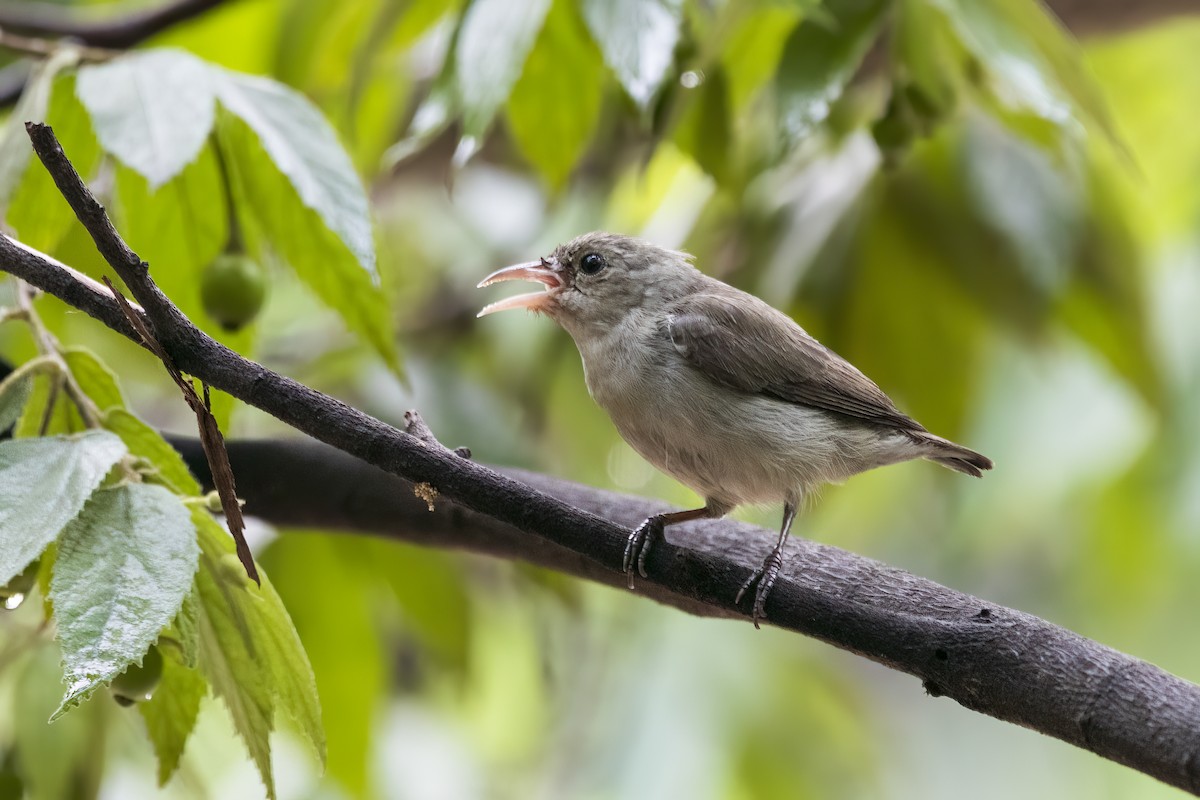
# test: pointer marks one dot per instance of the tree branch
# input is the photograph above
(1090, 17)
(96, 27)
(998, 661)
(989, 658)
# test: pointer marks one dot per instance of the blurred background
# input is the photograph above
(999, 225)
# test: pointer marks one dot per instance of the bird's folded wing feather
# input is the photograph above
(741, 342)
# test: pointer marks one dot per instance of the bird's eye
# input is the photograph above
(591, 263)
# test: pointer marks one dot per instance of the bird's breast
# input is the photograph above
(724, 443)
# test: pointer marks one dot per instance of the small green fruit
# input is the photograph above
(136, 683)
(232, 290)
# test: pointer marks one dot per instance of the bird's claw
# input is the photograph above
(641, 539)
(765, 577)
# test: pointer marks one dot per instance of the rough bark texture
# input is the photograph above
(115, 28)
(989, 658)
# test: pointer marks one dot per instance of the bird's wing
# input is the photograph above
(741, 342)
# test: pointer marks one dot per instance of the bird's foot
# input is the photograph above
(641, 539)
(765, 577)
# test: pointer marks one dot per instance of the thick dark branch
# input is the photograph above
(998, 661)
(1087, 17)
(989, 658)
(98, 27)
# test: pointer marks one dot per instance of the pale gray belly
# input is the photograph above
(733, 446)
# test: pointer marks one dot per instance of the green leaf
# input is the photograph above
(100, 384)
(1037, 64)
(436, 111)
(13, 396)
(820, 58)
(44, 483)
(1021, 194)
(64, 417)
(124, 566)
(152, 110)
(433, 116)
(492, 47)
(553, 108)
(900, 267)
(15, 152)
(638, 39)
(317, 256)
(144, 441)
(303, 147)
(57, 761)
(37, 211)
(181, 639)
(250, 652)
(431, 591)
(335, 618)
(97, 381)
(178, 229)
(754, 48)
(703, 131)
(1106, 306)
(170, 714)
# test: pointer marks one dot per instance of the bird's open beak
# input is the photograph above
(546, 271)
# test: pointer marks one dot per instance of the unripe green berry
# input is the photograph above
(232, 290)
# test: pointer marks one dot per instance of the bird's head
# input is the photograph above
(596, 280)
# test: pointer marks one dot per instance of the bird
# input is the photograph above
(716, 388)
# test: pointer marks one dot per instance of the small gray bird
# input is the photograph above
(716, 388)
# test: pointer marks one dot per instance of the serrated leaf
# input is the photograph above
(303, 147)
(97, 381)
(44, 483)
(100, 384)
(317, 256)
(553, 108)
(637, 38)
(492, 46)
(181, 639)
(152, 110)
(37, 211)
(124, 566)
(819, 59)
(15, 152)
(170, 714)
(250, 652)
(144, 441)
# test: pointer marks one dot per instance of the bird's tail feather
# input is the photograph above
(955, 456)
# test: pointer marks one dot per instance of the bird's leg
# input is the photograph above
(641, 538)
(766, 574)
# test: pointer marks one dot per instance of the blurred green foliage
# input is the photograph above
(998, 226)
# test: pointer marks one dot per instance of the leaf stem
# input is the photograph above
(49, 347)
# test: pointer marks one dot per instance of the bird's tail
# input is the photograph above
(955, 456)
